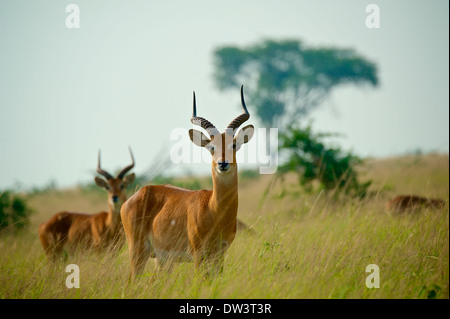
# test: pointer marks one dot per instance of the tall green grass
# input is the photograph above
(304, 246)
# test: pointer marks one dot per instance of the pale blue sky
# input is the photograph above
(126, 78)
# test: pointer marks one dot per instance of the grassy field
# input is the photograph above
(304, 245)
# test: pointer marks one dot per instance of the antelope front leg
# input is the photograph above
(138, 257)
(210, 264)
(215, 263)
(201, 262)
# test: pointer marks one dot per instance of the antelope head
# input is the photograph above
(116, 186)
(222, 146)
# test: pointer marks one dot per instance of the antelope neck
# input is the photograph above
(113, 215)
(225, 192)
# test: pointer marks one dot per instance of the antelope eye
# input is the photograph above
(121, 186)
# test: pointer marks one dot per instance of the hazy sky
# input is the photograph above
(126, 76)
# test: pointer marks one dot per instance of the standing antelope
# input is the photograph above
(175, 224)
(98, 231)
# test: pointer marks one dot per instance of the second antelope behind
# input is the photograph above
(84, 231)
(175, 224)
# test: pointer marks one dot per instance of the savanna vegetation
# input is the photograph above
(316, 224)
(305, 244)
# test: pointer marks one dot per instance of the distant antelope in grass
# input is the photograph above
(85, 231)
(410, 202)
(175, 224)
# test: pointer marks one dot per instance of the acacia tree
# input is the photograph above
(286, 80)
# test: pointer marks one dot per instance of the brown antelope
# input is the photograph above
(98, 231)
(174, 224)
(410, 202)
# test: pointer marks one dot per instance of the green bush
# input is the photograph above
(311, 159)
(14, 211)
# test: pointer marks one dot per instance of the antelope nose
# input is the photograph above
(115, 199)
(223, 165)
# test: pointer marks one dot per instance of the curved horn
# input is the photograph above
(126, 169)
(234, 125)
(204, 123)
(101, 171)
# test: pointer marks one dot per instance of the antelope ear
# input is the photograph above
(244, 136)
(129, 179)
(198, 138)
(101, 182)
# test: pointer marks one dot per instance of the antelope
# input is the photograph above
(173, 224)
(410, 202)
(86, 231)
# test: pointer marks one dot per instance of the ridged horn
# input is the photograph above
(101, 171)
(204, 123)
(127, 168)
(234, 125)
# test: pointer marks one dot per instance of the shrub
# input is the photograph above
(311, 159)
(14, 211)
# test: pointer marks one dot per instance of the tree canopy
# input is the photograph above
(287, 79)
